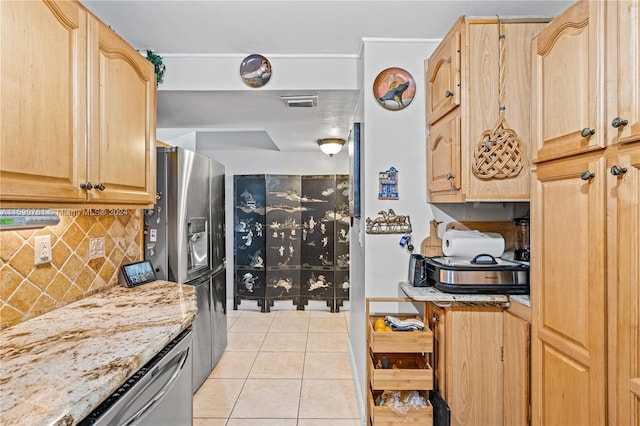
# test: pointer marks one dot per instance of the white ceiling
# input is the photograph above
(249, 119)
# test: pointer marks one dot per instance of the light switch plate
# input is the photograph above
(42, 249)
(96, 248)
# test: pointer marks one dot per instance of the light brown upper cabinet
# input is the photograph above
(122, 127)
(443, 83)
(624, 114)
(78, 110)
(585, 217)
(568, 78)
(463, 96)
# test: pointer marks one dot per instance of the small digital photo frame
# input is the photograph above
(135, 274)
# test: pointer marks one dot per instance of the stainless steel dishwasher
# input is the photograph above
(157, 394)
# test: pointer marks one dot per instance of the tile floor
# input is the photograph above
(281, 368)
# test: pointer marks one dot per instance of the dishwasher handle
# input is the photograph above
(166, 388)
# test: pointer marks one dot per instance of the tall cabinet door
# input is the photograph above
(568, 241)
(626, 117)
(123, 105)
(627, 188)
(567, 80)
(43, 101)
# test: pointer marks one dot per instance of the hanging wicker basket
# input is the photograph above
(498, 154)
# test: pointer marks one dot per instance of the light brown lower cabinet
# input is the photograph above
(517, 365)
(481, 362)
(468, 365)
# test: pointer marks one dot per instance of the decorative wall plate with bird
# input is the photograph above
(394, 88)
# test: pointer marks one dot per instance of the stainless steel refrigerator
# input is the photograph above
(184, 240)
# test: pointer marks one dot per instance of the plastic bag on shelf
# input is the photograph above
(401, 401)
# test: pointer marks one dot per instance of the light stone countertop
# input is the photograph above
(432, 294)
(57, 367)
(523, 299)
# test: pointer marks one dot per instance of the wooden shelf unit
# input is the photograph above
(408, 352)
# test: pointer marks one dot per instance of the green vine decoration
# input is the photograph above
(156, 60)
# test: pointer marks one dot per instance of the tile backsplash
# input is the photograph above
(27, 290)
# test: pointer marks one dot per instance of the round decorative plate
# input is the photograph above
(255, 70)
(394, 88)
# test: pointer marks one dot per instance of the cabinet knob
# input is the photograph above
(86, 185)
(587, 175)
(100, 186)
(586, 132)
(448, 94)
(617, 170)
(448, 176)
(619, 122)
(435, 319)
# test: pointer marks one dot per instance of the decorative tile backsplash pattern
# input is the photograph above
(27, 290)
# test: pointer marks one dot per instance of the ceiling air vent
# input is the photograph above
(302, 101)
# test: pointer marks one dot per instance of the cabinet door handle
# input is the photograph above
(435, 319)
(100, 186)
(448, 94)
(86, 185)
(587, 175)
(586, 132)
(617, 170)
(448, 176)
(619, 122)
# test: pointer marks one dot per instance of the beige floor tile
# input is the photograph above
(329, 422)
(285, 342)
(257, 313)
(292, 324)
(328, 399)
(294, 314)
(210, 422)
(232, 313)
(324, 314)
(262, 422)
(278, 365)
(231, 321)
(234, 365)
(252, 324)
(216, 398)
(327, 342)
(332, 323)
(326, 365)
(246, 341)
(266, 398)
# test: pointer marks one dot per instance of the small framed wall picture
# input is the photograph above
(388, 184)
(255, 70)
(394, 89)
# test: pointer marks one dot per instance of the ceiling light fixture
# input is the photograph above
(331, 146)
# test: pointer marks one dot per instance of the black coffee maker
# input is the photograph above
(522, 251)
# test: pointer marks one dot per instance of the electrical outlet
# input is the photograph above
(96, 248)
(42, 249)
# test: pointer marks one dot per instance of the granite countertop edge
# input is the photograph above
(57, 367)
(432, 294)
